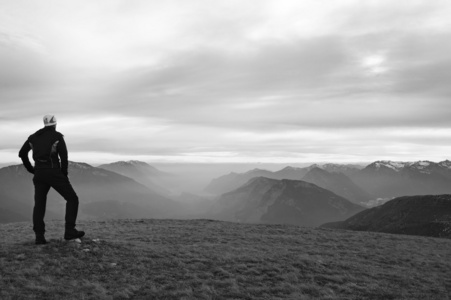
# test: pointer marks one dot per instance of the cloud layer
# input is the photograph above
(229, 81)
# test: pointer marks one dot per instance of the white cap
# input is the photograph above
(49, 120)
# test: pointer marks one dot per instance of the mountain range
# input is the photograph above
(267, 200)
(428, 215)
(229, 182)
(388, 179)
(17, 194)
(143, 173)
(102, 194)
(338, 183)
(380, 180)
(308, 196)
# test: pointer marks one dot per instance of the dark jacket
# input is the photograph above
(47, 144)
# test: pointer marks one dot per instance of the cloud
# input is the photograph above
(423, 65)
(209, 82)
(237, 78)
(22, 65)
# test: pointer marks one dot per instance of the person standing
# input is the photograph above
(48, 149)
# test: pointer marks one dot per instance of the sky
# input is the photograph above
(216, 81)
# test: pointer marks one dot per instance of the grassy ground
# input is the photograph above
(201, 259)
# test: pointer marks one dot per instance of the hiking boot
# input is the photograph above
(40, 239)
(72, 234)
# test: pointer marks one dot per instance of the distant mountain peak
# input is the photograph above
(256, 170)
(290, 168)
(137, 162)
(394, 165)
(132, 164)
(129, 162)
(79, 165)
(330, 164)
(260, 179)
(285, 201)
(298, 183)
(420, 165)
(445, 164)
(317, 169)
(337, 168)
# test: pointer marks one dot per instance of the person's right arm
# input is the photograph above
(23, 154)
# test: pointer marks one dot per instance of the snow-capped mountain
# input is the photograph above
(393, 165)
(388, 179)
(445, 164)
(424, 166)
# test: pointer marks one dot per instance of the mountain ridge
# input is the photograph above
(231, 181)
(100, 191)
(338, 183)
(141, 172)
(389, 179)
(267, 200)
(428, 215)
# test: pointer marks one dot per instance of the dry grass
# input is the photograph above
(202, 259)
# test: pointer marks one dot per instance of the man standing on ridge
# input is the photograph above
(47, 144)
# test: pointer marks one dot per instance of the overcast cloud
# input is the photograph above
(229, 81)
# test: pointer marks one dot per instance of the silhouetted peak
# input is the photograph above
(256, 170)
(290, 168)
(261, 180)
(137, 162)
(297, 183)
(128, 163)
(314, 166)
(79, 165)
(317, 170)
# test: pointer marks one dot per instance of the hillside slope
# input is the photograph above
(229, 182)
(140, 172)
(102, 193)
(338, 183)
(202, 259)
(266, 200)
(416, 215)
(232, 181)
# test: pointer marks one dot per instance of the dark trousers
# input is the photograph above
(43, 180)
